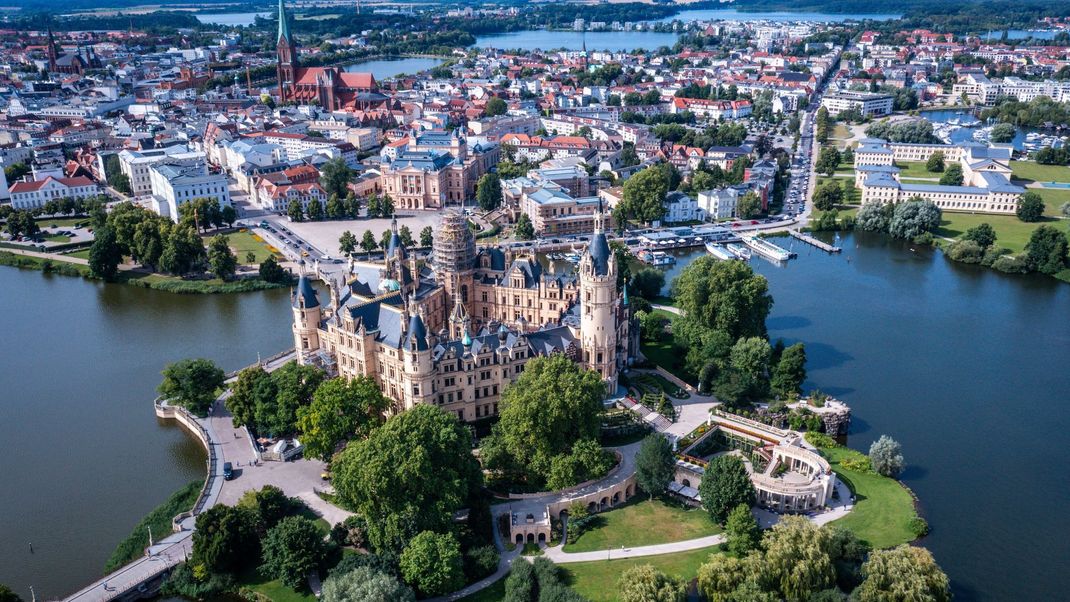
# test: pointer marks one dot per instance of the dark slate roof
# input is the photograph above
(417, 338)
(305, 294)
(599, 250)
(531, 270)
(497, 258)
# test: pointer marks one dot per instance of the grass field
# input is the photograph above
(81, 253)
(159, 520)
(60, 222)
(1053, 200)
(1011, 232)
(273, 589)
(597, 581)
(1029, 170)
(244, 241)
(915, 170)
(631, 525)
(665, 354)
(56, 237)
(883, 507)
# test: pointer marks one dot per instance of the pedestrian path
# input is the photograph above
(560, 556)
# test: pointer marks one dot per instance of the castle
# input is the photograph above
(456, 333)
(332, 88)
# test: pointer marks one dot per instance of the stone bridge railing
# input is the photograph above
(194, 426)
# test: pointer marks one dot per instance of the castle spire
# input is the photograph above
(284, 25)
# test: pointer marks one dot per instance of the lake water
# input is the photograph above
(387, 68)
(736, 15)
(85, 457)
(966, 368)
(231, 19)
(965, 134)
(613, 41)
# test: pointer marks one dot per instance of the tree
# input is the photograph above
(294, 211)
(375, 206)
(7, 595)
(335, 176)
(368, 242)
(226, 539)
(148, 242)
(365, 584)
(886, 456)
(336, 207)
(749, 205)
(874, 216)
(191, 383)
(269, 503)
(725, 485)
(405, 234)
(183, 251)
(411, 474)
(741, 531)
(352, 206)
(271, 271)
(315, 210)
(828, 195)
(628, 156)
(982, 234)
(720, 295)
(935, 163)
(796, 560)
(848, 155)
(648, 282)
(790, 371)
(120, 182)
(432, 564)
(749, 363)
(952, 175)
(719, 577)
(644, 195)
(228, 214)
(524, 229)
(293, 549)
(655, 464)
(427, 237)
(221, 259)
(104, 255)
(902, 574)
(242, 401)
(340, 409)
(828, 161)
(1046, 250)
(521, 584)
(384, 240)
(1002, 133)
(553, 405)
(294, 385)
(347, 243)
(651, 325)
(913, 217)
(489, 192)
(821, 129)
(495, 106)
(1030, 207)
(644, 583)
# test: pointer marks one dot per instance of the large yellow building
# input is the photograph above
(455, 334)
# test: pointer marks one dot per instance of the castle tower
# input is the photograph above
(455, 259)
(598, 298)
(307, 313)
(417, 350)
(286, 53)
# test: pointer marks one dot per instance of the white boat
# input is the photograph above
(766, 249)
(280, 447)
(719, 252)
(655, 258)
(739, 251)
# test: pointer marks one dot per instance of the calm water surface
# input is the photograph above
(966, 368)
(387, 68)
(85, 457)
(729, 14)
(231, 19)
(612, 41)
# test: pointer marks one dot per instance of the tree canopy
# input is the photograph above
(365, 584)
(655, 464)
(432, 564)
(191, 383)
(886, 456)
(292, 549)
(903, 574)
(340, 408)
(725, 485)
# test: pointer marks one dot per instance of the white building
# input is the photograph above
(681, 208)
(175, 185)
(719, 203)
(31, 195)
(136, 165)
(869, 104)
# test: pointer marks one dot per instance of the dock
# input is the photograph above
(810, 240)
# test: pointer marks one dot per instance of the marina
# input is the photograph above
(767, 249)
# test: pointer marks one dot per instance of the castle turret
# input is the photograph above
(598, 297)
(307, 314)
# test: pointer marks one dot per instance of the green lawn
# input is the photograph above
(81, 253)
(644, 522)
(597, 581)
(1053, 200)
(853, 196)
(244, 241)
(494, 593)
(1011, 232)
(61, 238)
(883, 507)
(61, 222)
(839, 132)
(916, 169)
(273, 589)
(665, 354)
(1030, 170)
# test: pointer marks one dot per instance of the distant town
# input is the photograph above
(526, 249)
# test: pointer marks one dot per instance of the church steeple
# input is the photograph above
(51, 51)
(286, 53)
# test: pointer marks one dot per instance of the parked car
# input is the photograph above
(228, 471)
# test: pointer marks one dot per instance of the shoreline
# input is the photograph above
(158, 282)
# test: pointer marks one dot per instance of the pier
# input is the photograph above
(810, 240)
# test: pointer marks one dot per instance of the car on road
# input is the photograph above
(228, 471)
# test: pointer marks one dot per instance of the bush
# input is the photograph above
(1011, 264)
(820, 439)
(480, 562)
(350, 532)
(965, 251)
(184, 583)
(857, 463)
(919, 526)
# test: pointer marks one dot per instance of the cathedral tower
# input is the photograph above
(598, 299)
(286, 53)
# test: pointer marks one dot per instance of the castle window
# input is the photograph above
(415, 389)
